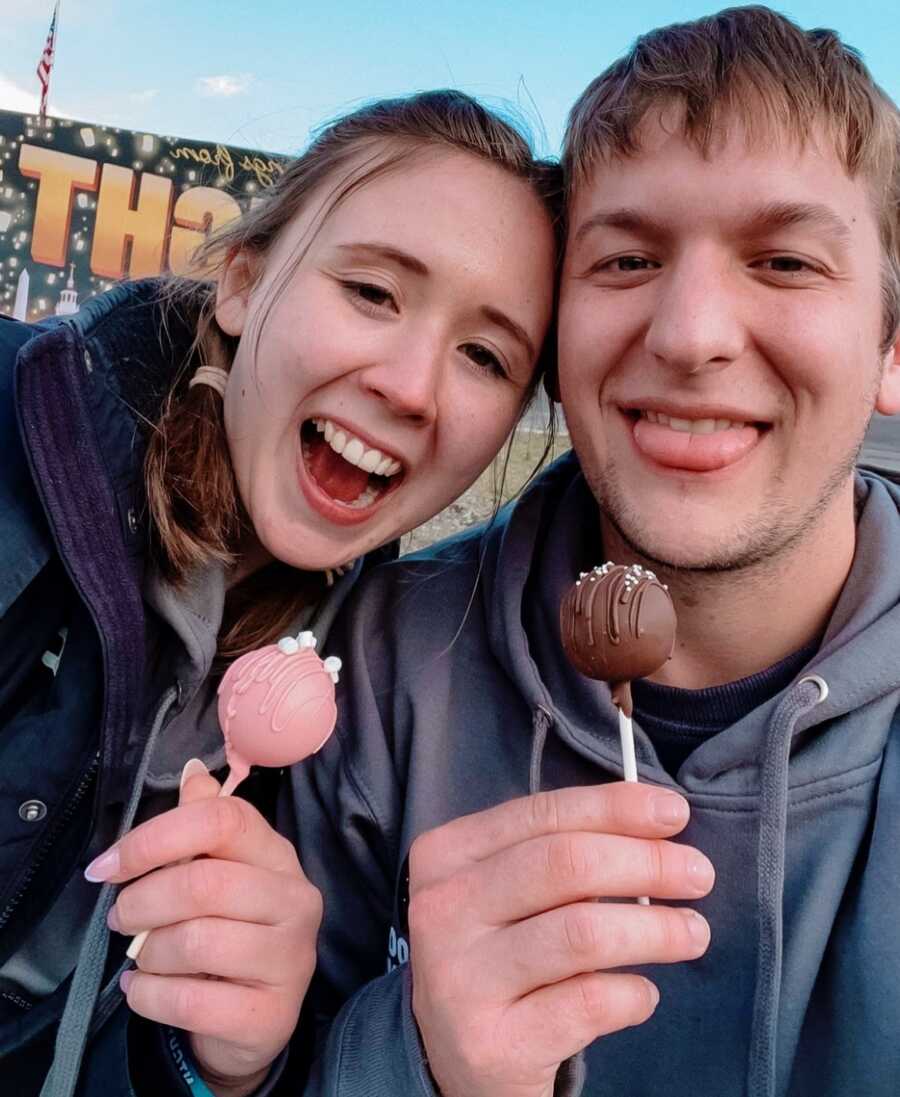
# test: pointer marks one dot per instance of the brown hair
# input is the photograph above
(196, 511)
(753, 66)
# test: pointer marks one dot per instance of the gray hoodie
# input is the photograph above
(456, 696)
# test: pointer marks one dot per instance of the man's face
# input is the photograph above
(720, 325)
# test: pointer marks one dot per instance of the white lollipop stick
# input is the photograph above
(234, 779)
(629, 765)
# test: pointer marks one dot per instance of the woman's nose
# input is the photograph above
(408, 383)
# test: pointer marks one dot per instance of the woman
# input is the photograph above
(192, 464)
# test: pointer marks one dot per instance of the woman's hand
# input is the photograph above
(233, 941)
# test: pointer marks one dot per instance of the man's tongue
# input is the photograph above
(337, 477)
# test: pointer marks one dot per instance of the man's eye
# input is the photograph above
(629, 263)
(787, 264)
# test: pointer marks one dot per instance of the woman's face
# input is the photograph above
(382, 380)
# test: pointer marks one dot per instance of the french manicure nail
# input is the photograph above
(669, 809)
(103, 867)
(125, 980)
(112, 920)
(191, 769)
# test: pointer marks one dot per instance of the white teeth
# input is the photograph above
(691, 426)
(355, 451)
(369, 461)
(368, 497)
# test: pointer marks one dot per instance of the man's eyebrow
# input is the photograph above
(772, 216)
(785, 215)
(624, 218)
(387, 251)
(495, 316)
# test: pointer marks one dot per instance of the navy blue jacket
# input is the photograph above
(75, 396)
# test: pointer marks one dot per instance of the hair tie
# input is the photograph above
(214, 376)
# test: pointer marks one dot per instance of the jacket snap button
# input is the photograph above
(133, 521)
(32, 811)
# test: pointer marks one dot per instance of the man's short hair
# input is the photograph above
(753, 66)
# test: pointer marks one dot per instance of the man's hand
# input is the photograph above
(513, 959)
(233, 941)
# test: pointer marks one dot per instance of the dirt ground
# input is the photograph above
(478, 502)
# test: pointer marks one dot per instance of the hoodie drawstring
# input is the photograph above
(761, 1071)
(540, 726)
(76, 1019)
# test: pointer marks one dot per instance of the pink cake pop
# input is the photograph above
(276, 706)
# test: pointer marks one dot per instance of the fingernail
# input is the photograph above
(191, 769)
(103, 867)
(125, 980)
(700, 872)
(698, 928)
(652, 994)
(669, 809)
(112, 920)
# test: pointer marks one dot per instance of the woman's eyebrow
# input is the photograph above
(501, 320)
(388, 251)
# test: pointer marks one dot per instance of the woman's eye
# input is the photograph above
(371, 296)
(483, 358)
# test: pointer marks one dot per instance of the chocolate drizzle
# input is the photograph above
(617, 624)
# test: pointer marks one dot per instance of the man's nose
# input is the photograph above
(697, 324)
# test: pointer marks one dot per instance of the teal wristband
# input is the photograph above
(184, 1064)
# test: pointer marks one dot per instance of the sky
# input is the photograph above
(264, 73)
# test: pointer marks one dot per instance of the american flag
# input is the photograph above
(45, 65)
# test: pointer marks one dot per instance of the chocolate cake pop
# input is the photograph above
(617, 624)
(276, 707)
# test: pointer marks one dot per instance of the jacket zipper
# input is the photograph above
(50, 837)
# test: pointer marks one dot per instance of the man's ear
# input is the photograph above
(888, 401)
(233, 292)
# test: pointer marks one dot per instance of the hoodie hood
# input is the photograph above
(545, 540)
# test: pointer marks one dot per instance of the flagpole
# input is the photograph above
(52, 39)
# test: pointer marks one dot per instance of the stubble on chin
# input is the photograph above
(754, 541)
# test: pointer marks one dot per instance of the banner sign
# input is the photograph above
(83, 205)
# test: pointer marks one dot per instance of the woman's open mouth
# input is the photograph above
(350, 472)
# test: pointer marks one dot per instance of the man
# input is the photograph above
(728, 325)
